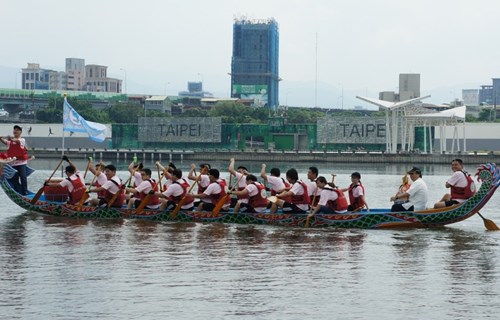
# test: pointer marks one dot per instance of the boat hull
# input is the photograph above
(377, 218)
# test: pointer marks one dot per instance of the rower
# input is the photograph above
(141, 191)
(331, 200)
(461, 186)
(417, 194)
(312, 175)
(175, 192)
(257, 196)
(299, 195)
(239, 175)
(204, 180)
(74, 183)
(100, 178)
(356, 193)
(109, 189)
(213, 193)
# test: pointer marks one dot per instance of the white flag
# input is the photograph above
(74, 122)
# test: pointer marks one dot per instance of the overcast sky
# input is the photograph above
(362, 46)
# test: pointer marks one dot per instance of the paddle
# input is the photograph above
(159, 177)
(87, 170)
(489, 224)
(183, 200)
(311, 211)
(144, 202)
(40, 192)
(222, 201)
(115, 196)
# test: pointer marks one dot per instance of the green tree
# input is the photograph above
(194, 112)
(49, 115)
(125, 113)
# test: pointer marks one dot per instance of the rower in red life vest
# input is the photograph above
(332, 200)
(299, 195)
(109, 189)
(461, 186)
(167, 174)
(175, 192)
(213, 193)
(135, 172)
(257, 196)
(356, 193)
(147, 186)
(276, 182)
(16, 149)
(74, 183)
(100, 178)
(204, 180)
(312, 175)
(239, 174)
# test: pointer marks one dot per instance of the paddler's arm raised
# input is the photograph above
(263, 174)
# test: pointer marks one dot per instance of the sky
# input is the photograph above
(330, 50)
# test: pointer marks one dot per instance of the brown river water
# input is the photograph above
(64, 268)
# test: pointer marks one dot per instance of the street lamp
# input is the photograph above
(342, 96)
(125, 71)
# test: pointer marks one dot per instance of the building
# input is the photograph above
(75, 73)
(96, 80)
(195, 90)
(36, 78)
(409, 86)
(470, 97)
(158, 103)
(486, 94)
(255, 62)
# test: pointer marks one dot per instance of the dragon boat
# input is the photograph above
(488, 175)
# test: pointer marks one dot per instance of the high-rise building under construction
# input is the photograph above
(255, 60)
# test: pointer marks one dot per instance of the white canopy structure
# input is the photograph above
(397, 110)
(403, 117)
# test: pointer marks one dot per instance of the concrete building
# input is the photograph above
(470, 97)
(195, 90)
(96, 80)
(75, 72)
(409, 86)
(255, 62)
(158, 103)
(34, 77)
(486, 94)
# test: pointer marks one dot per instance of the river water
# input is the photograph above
(63, 268)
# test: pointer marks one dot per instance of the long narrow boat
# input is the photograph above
(488, 175)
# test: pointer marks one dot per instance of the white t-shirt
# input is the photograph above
(276, 183)
(14, 163)
(311, 187)
(326, 195)
(242, 182)
(137, 178)
(298, 190)
(418, 195)
(111, 186)
(144, 187)
(102, 179)
(176, 190)
(213, 188)
(358, 191)
(67, 184)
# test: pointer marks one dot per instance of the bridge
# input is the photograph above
(15, 101)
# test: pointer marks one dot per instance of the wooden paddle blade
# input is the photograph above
(82, 201)
(143, 204)
(219, 205)
(178, 207)
(37, 196)
(307, 222)
(489, 224)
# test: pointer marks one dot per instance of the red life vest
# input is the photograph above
(200, 188)
(466, 192)
(100, 194)
(215, 197)
(356, 202)
(260, 199)
(153, 199)
(15, 150)
(119, 199)
(79, 190)
(301, 198)
(340, 204)
(185, 186)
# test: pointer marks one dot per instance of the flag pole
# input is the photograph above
(63, 135)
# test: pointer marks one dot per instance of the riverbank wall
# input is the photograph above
(264, 156)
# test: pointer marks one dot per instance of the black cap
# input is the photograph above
(415, 170)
